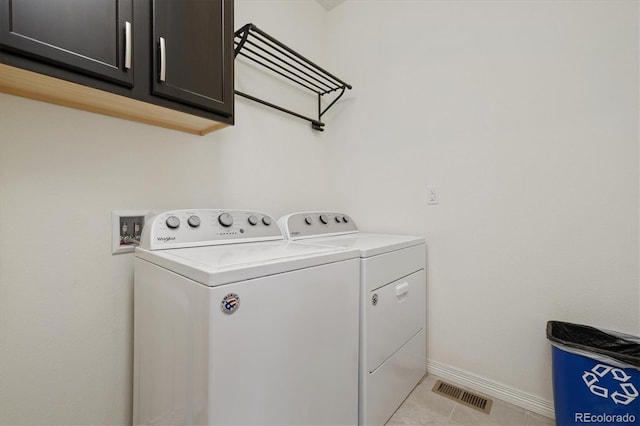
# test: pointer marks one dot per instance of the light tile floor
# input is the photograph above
(424, 407)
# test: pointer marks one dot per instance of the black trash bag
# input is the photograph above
(623, 348)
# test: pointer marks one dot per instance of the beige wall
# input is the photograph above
(525, 115)
(65, 300)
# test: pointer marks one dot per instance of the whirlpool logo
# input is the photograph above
(166, 239)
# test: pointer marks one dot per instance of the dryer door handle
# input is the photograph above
(402, 289)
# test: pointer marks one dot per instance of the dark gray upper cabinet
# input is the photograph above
(191, 59)
(114, 46)
(89, 36)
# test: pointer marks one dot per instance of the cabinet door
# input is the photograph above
(193, 54)
(90, 36)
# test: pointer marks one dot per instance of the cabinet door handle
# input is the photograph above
(127, 44)
(163, 60)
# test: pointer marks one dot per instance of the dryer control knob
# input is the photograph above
(193, 221)
(266, 220)
(173, 222)
(337, 218)
(308, 220)
(345, 219)
(324, 219)
(225, 219)
(253, 220)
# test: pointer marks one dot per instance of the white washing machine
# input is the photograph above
(234, 325)
(392, 307)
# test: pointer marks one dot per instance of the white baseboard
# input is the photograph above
(491, 388)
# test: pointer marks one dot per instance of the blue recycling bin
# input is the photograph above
(596, 375)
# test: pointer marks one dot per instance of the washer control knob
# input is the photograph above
(337, 218)
(308, 220)
(225, 219)
(253, 220)
(266, 220)
(345, 219)
(173, 222)
(193, 221)
(324, 219)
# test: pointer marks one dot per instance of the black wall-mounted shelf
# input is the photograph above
(259, 47)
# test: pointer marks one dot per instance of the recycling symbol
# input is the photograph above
(629, 391)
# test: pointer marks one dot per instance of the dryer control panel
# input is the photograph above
(316, 224)
(204, 227)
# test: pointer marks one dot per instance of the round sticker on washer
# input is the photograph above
(230, 303)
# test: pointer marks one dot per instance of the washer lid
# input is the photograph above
(223, 264)
(370, 244)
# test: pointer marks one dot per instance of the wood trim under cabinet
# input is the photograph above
(19, 82)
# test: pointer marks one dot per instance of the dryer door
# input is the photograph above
(395, 313)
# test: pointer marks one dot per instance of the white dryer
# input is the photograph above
(233, 324)
(392, 307)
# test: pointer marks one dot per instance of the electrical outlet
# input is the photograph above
(126, 229)
(433, 195)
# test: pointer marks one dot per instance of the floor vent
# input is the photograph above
(462, 396)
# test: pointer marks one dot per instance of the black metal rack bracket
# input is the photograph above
(259, 47)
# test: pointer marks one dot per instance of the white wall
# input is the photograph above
(65, 301)
(525, 115)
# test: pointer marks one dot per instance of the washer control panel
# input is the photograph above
(316, 224)
(203, 227)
